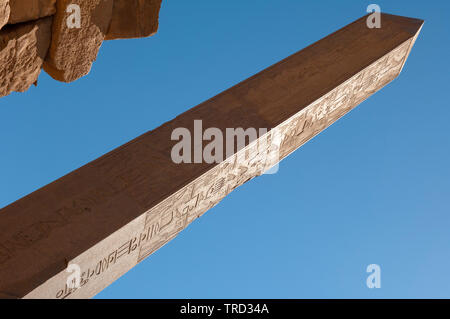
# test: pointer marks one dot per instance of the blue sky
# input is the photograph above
(373, 188)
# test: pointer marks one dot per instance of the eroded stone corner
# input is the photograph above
(5, 11)
(134, 19)
(23, 48)
(74, 49)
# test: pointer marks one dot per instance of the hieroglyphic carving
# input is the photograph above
(175, 213)
(328, 109)
(168, 218)
(126, 249)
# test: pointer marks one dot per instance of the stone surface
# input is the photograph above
(23, 48)
(134, 19)
(72, 51)
(4, 12)
(28, 10)
(117, 210)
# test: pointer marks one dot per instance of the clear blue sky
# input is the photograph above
(373, 188)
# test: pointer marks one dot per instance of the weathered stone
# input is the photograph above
(73, 50)
(134, 19)
(4, 12)
(28, 10)
(23, 48)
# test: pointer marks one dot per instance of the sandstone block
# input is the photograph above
(23, 48)
(134, 19)
(74, 49)
(28, 10)
(4, 12)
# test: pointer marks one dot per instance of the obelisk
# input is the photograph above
(112, 213)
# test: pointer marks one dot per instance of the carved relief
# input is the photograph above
(176, 212)
(168, 218)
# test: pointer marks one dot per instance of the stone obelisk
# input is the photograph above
(112, 213)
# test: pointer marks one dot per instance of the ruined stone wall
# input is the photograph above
(64, 36)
